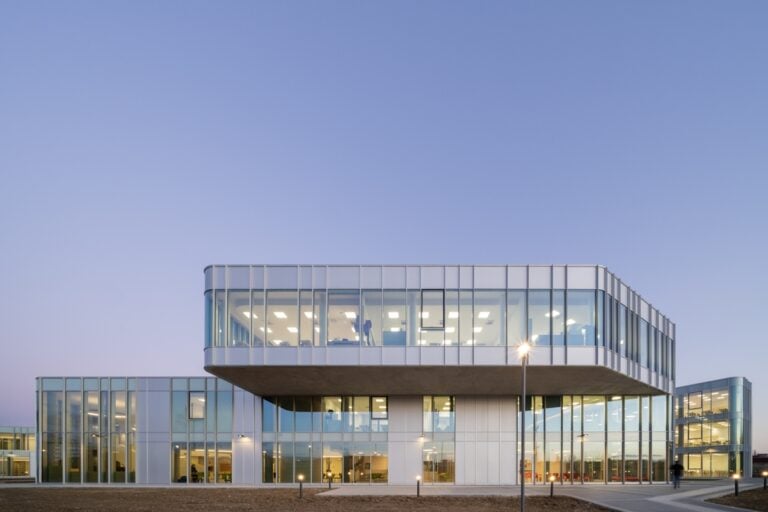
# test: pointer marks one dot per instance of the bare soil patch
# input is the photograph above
(263, 500)
(755, 499)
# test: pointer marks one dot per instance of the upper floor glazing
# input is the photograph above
(427, 306)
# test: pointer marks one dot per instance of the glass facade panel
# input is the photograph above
(489, 318)
(432, 309)
(220, 310)
(622, 324)
(517, 318)
(306, 319)
(343, 318)
(581, 318)
(451, 317)
(282, 318)
(239, 313)
(558, 321)
(208, 298)
(539, 313)
(258, 316)
(394, 319)
(372, 317)
(466, 313)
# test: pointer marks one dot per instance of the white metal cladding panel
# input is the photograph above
(485, 429)
(393, 278)
(257, 276)
(601, 278)
(465, 277)
(493, 278)
(393, 356)
(451, 277)
(154, 411)
(239, 277)
(281, 356)
(581, 356)
(282, 278)
(432, 277)
(432, 356)
(208, 278)
(413, 278)
(319, 277)
(582, 277)
(558, 356)
(246, 451)
(370, 278)
(219, 277)
(344, 277)
(370, 356)
(405, 428)
(238, 356)
(539, 356)
(305, 278)
(517, 277)
(558, 277)
(492, 356)
(540, 277)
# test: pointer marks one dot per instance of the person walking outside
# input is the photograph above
(677, 473)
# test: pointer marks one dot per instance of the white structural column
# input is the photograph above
(153, 427)
(246, 439)
(486, 440)
(405, 429)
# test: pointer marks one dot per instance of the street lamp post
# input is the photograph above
(551, 486)
(418, 486)
(522, 352)
(765, 480)
(301, 486)
(736, 477)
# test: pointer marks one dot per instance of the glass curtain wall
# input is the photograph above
(290, 423)
(594, 438)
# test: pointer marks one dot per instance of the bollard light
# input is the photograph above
(552, 485)
(301, 486)
(418, 486)
(765, 480)
(736, 477)
(330, 478)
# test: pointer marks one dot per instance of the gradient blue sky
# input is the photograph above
(140, 141)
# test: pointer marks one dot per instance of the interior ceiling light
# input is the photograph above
(450, 329)
(293, 330)
(308, 314)
(393, 314)
(484, 314)
(350, 314)
(570, 321)
(453, 314)
(247, 314)
(477, 329)
(424, 314)
(553, 314)
(281, 315)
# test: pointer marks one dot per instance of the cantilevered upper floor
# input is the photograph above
(433, 329)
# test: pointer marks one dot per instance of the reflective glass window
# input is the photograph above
(552, 413)
(720, 401)
(239, 313)
(320, 323)
(282, 318)
(623, 330)
(659, 413)
(643, 343)
(517, 318)
(332, 413)
(372, 317)
(220, 310)
(489, 318)
(558, 321)
(539, 313)
(196, 405)
(306, 319)
(600, 325)
(451, 317)
(268, 414)
(631, 414)
(343, 318)
(413, 304)
(394, 319)
(467, 335)
(224, 411)
(258, 316)
(615, 414)
(285, 414)
(594, 413)
(303, 417)
(432, 309)
(581, 318)
(208, 318)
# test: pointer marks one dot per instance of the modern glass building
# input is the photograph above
(377, 374)
(714, 428)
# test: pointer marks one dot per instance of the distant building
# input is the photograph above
(759, 464)
(17, 453)
(713, 421)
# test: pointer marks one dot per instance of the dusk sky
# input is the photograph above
(141, 141)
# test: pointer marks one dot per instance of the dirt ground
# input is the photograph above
(756, 499)
(261, 500)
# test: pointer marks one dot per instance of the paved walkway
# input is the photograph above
(624, 498)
